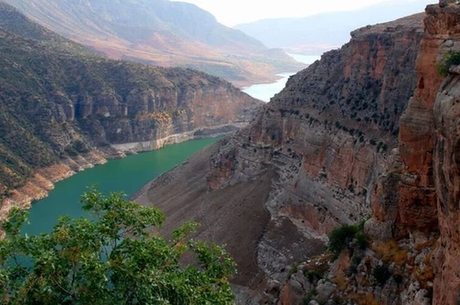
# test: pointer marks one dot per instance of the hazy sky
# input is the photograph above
(232, 12)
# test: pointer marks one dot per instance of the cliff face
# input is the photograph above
(322, 143)
(416, 190)
(63, 108)
(414, 228)
(446, 165)
(424, 209)
(446, 176)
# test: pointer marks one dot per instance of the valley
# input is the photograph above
(65, 108)
(337, 184)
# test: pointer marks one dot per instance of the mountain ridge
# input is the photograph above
(162, 33)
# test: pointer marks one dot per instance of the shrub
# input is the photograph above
(340, 238)
(361, 240)
(313, 275)
(391, 252)
(451, 58)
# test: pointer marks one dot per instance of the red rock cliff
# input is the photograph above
(416, 197)
(427, 174)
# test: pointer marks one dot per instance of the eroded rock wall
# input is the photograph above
(416, 196)
(74, 111)
(322, 142)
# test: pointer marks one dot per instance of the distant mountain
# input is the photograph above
(64, 108)
(318, 33)
(160, 32)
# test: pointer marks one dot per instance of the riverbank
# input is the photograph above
(44, 179)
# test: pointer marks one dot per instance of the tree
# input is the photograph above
(116, 256)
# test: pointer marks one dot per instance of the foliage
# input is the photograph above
(117, 257)
(361, 240)
(381, 274)
(340, 238)
(308, 298)
(450, 58)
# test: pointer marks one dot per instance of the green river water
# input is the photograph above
(127, 175)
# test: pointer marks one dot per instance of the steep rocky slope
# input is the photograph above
(412, 256)
(161, 32)
(63, 108)
(314, 152)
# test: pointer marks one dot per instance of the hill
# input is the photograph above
(160, 32)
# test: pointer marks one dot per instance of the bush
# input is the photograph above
(450, 59)
(361, 240)
(313, 275)
(340, 238)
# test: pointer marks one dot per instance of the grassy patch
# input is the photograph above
(391, 252)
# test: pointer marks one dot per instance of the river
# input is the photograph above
(265, 92)
(125, 175)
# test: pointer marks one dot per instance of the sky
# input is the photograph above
(233, 12)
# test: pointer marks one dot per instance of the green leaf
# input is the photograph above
(111, 259)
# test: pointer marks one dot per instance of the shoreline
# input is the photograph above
(43, 180)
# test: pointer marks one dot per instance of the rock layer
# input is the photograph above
(446, 172)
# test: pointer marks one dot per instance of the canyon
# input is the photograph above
(368, 134)
(365, 139)
(64, 108)
(308, 162)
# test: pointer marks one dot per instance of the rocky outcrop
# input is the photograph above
(322, 143)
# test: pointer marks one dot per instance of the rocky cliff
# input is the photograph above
(307, 163)
(64, 108)
(412, 256)
(423, 208)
